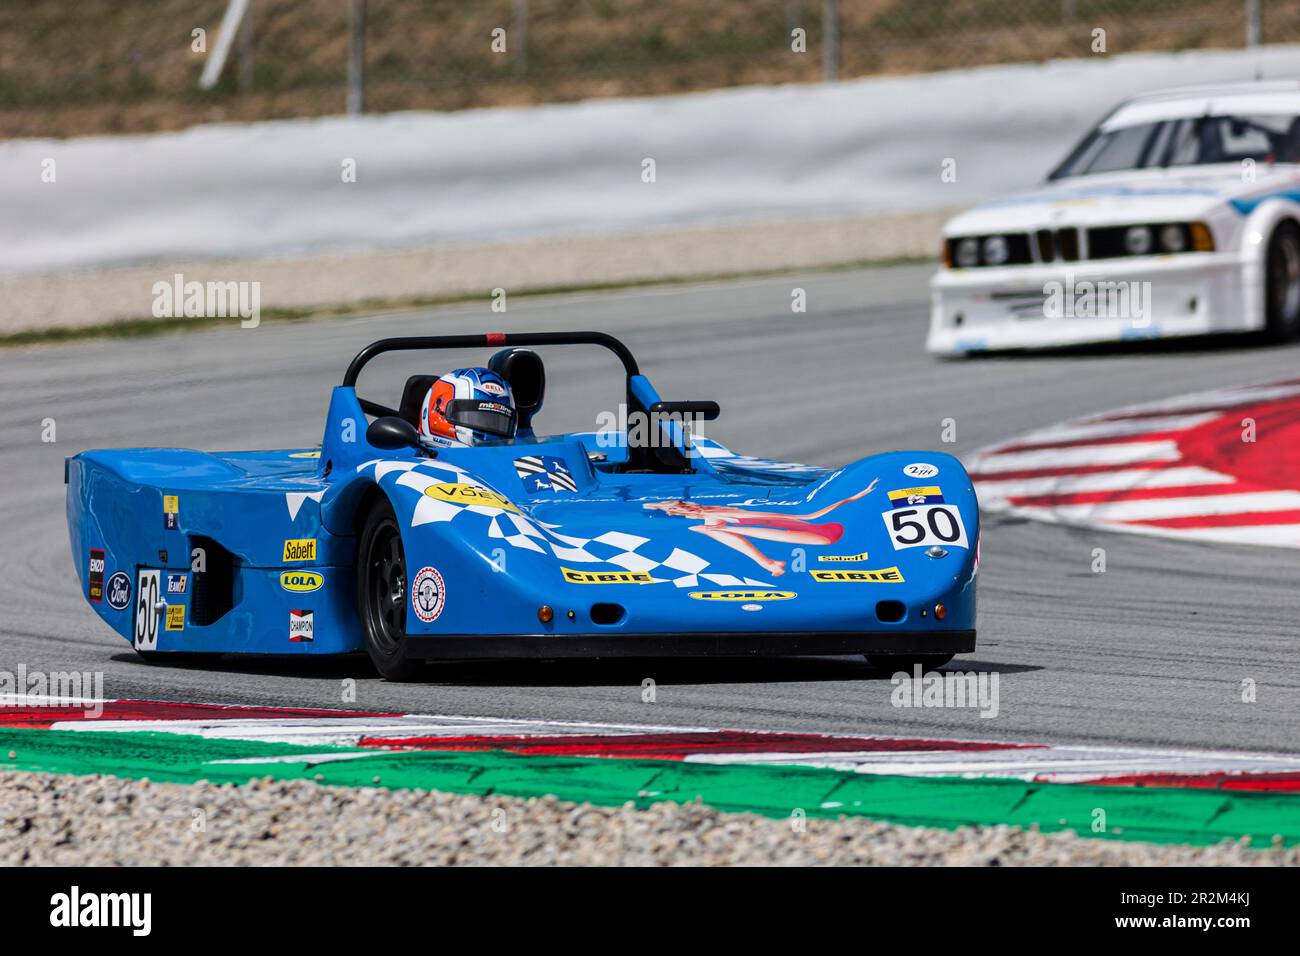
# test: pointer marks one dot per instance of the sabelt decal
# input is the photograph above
(95, 576)
(176, 617)
(119, 591)
(921, 495)
(469, 495)
(606, 577)
(865, 576)
(171, 508)
(302, 627)
(301, 581)
(300, 549)
(742, 595)
(843, 558)
(428, 594)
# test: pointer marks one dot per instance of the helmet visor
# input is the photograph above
(494, 418)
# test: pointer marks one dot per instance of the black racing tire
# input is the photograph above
(1282, 284)
(893, 663)
(382, 594)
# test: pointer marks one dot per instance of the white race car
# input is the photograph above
(1177, 215)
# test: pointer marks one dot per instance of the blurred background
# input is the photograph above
(108, 66)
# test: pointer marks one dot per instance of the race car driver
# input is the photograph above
(467, 407)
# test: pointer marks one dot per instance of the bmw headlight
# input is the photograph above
(1173, 238)
(1137, 240)
(995, 250)
(968, 253)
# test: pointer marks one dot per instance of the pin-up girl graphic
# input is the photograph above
(735, 526)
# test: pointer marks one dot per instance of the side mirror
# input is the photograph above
(391, 433)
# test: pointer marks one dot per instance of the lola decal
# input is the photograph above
(606, 577)
(95, 577)
(469, 495)
(302, 627)
(300, 549)
(301, 581)
(866, 576)
(428, 594)
(119, 591)
(742, 595)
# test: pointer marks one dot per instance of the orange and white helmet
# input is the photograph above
(467, 407)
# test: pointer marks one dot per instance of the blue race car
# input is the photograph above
(446, 529)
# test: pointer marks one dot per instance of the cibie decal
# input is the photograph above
(301, 581)
(469, 495)
(544, 473)
(176, 617)
(923, 525)
(920, 495)
(843, 558)
(428, 594)
(300, 549)
(119, 591)
(171, 508)
(95, 576)
(921, 469)
(742, 595)
(606, 577)
(865, 576)
(302, 627)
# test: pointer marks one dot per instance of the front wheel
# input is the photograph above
(893, 663)
(382, 595)
(1282, 286)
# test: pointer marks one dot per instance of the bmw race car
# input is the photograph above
(643, 540)
(1179, 214)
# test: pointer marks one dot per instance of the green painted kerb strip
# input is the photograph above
(1164, 815)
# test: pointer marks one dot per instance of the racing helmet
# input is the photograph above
(466, 407)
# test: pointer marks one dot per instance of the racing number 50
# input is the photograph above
(146, 610)
(928, 524)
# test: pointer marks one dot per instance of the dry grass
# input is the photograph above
(75, 67)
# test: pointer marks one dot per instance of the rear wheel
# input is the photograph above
(1282, 286)
(382, 595)
(893, 663)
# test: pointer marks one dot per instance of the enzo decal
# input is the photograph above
(469, 495)
(95, 577)
(606, 577)
(925, 525)
(147, 604)
(922, 495)
(119, 591)
(428, 594)
(301, 581)
(300, 549)
(302, 627)
(176, 617)
(171, 508)
(921, 469)
(843, 558)
(742, 595)
(876, 576)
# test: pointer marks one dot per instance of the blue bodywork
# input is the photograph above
(253, 544)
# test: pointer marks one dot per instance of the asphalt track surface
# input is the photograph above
(1153, 651)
